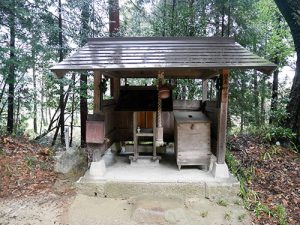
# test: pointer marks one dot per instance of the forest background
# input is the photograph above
(35, 34)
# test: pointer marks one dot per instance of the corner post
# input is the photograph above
(95, 133)
(222, 126)
(220, 169)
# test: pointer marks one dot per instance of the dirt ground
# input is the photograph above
(274, 175)
(42, 209)
(47, 209)
(32, 194)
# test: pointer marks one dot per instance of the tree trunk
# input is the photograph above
(274, 99)
(84, 31)
(173, 18)
(243, 87)
(61, 84)
(290, 10)
(114, 21)
(256, 98)
(192, 18)
(17, 122)
(43, 114)
(164, 18)
(65, 100)
(34, 93)
(223, 19)
(229, 19)
(263, 101)
(72, 109)
(83, 107)
(11, 74)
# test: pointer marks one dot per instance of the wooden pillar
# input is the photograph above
(159, 128)
(222, 120)
(116, 89)
(204, 90)
(97, 92)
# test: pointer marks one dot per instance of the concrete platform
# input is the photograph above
(122, 180)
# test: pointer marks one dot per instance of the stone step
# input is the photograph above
(126, 190)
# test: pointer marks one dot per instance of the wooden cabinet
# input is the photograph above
(192, 138)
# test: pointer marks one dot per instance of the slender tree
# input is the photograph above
(61, 84)
(84, 32)
(12, 71)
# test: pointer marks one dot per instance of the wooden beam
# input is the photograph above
(222, 120)
(97, 91)
(174, 73)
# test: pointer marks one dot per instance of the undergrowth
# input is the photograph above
(250, 198)
(275, 135)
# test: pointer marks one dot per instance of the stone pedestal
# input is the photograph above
(220, 170)
(97, 169)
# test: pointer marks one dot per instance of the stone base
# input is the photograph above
(220, 170)
(97, 169)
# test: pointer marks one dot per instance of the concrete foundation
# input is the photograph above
(220, 170)
(97, 169)
(122, 180)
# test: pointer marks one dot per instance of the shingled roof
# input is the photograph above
(178, 57)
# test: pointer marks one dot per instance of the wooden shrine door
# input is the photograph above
(145, 119)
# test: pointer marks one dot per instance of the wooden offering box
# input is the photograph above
(192, 138)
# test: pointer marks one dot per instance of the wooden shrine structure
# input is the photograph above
(175, 58)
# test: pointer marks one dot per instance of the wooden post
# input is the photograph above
(204, 90)
(97, 92)
(135, 139)
(159, 128)
(222, 120)
(116, 89)
(154, 136)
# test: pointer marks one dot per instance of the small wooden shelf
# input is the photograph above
(144, 132)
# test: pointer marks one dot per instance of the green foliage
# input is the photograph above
(30, 161)
(280, 214)
(250, 198)
(222, 202)
(228, 216)
(273, 134)
(45, 166)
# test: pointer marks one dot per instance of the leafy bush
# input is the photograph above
(273, 134)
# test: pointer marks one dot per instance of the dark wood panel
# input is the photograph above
(193, 105)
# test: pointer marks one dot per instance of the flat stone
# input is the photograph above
(151, 209)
